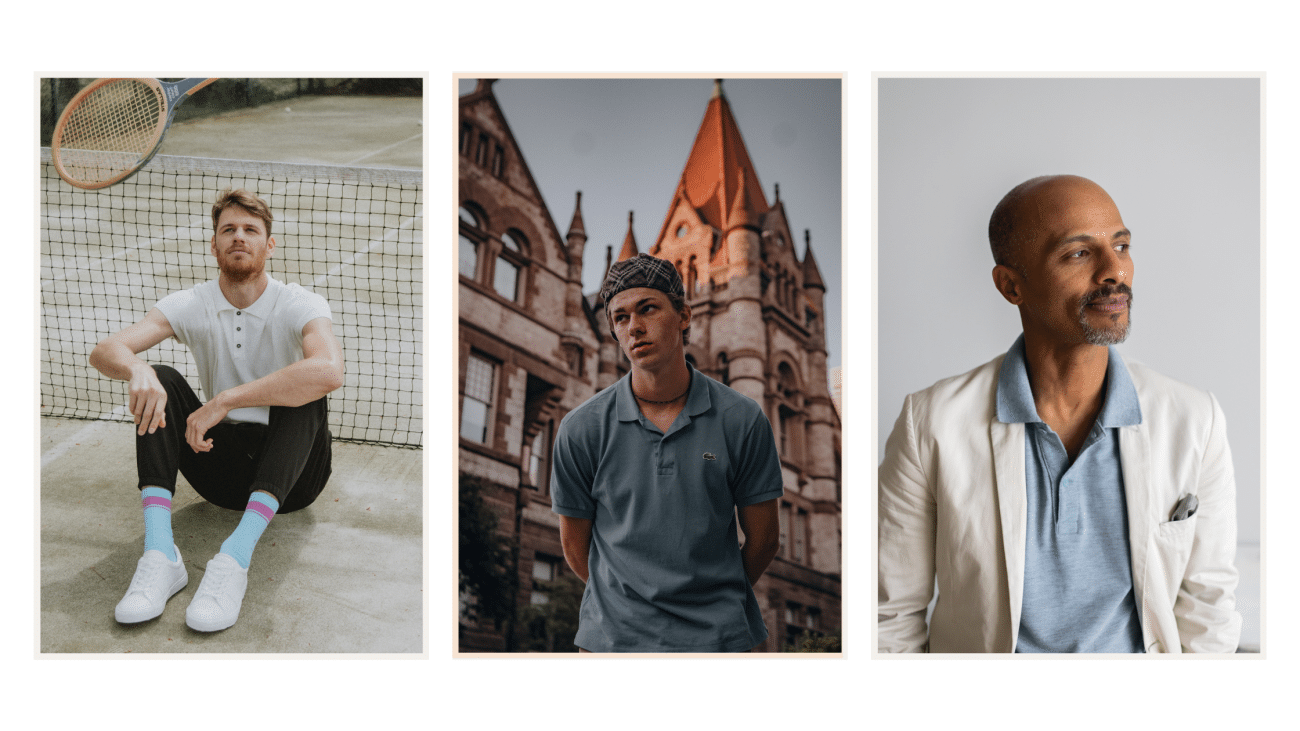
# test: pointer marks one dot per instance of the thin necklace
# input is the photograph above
(669, 401)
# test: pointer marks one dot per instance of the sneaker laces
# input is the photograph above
(143, 577)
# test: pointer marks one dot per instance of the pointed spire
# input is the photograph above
(717, 163)
(609, 261)
(575, 226)
(812, 276)
(741, 214)
(629, 242)
(777, 194)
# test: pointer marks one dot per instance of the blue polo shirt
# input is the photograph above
(665, 573)
(1078, 594)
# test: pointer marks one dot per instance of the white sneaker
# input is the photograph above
(156, 579)
(215, 605)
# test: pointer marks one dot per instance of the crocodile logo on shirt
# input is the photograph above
(709, 456)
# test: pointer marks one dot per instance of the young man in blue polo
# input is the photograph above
(650, 478)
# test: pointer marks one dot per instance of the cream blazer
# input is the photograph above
(952, 508)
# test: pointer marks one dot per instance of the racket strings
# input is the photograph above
(111, 130)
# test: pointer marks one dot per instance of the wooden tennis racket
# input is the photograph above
(113, 127)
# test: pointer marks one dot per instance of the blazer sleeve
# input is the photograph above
(1205, 608)
(906, 533)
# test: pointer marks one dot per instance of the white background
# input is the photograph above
(856, 691)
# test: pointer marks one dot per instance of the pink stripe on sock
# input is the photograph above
(260, 509)
(158, 502)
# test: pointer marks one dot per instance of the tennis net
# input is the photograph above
(352, 235)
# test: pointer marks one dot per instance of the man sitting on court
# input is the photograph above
(266, 358)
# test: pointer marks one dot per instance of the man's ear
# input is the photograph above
(270, 246)
(1009, 283)
(686, 315)
(213, 248)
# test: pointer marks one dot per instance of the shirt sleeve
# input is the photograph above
(572, 474)
(1205, 609)
(758, 477)
(178, 308)
(307, 306)
(905, 519)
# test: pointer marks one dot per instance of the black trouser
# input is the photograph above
(289, 457)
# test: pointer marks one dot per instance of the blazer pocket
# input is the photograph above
(1173, 544)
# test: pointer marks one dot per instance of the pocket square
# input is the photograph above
(1185, 508)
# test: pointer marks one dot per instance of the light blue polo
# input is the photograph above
(1078, 591)
(665, 573)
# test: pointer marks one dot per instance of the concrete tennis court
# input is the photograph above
(345, 575)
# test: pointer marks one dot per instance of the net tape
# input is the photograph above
(352, 235)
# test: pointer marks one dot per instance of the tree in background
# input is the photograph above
(552, 625)
(810, 642)
(486, 557)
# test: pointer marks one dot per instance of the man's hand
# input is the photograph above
(198, 424)
(148, 400)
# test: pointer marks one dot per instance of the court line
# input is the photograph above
(373, 245)
(82, 434)
(384, 149)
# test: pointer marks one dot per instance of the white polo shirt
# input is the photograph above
(231, 346)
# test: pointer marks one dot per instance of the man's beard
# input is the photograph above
(238, 273)
(1117, 332)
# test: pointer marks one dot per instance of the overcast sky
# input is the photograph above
(624, 143)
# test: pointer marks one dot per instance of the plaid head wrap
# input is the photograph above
(641, 270)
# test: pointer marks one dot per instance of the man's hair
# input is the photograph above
(245, 200)
(679, 303)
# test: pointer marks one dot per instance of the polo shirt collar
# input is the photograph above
(260, 309)
(697, 396)
(1015, 399)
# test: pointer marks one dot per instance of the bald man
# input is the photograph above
(1057, 498)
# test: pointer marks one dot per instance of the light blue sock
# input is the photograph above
(239, 546)
(158, 521)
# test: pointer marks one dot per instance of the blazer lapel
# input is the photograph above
(1135, 461)
(1008, 442)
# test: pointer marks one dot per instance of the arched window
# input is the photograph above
(510, 263)
(468, 256)
(785, 377)
(472, 239)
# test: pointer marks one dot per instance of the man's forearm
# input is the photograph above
(575, 541)
(294, 385)
(756, 557)
(116, 360)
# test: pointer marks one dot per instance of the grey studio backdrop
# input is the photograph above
(1181, 159)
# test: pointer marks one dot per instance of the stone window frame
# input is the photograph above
(490, 406)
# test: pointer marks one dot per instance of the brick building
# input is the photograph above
(533, 346)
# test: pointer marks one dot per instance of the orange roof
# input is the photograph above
(718, 164)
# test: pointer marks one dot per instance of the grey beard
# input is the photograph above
(1108, 336)
(1111, 335)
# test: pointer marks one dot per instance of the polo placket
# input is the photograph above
(238, 336)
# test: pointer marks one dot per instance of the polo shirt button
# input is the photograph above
(237, 312)
(238, 329)
(238, 345)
